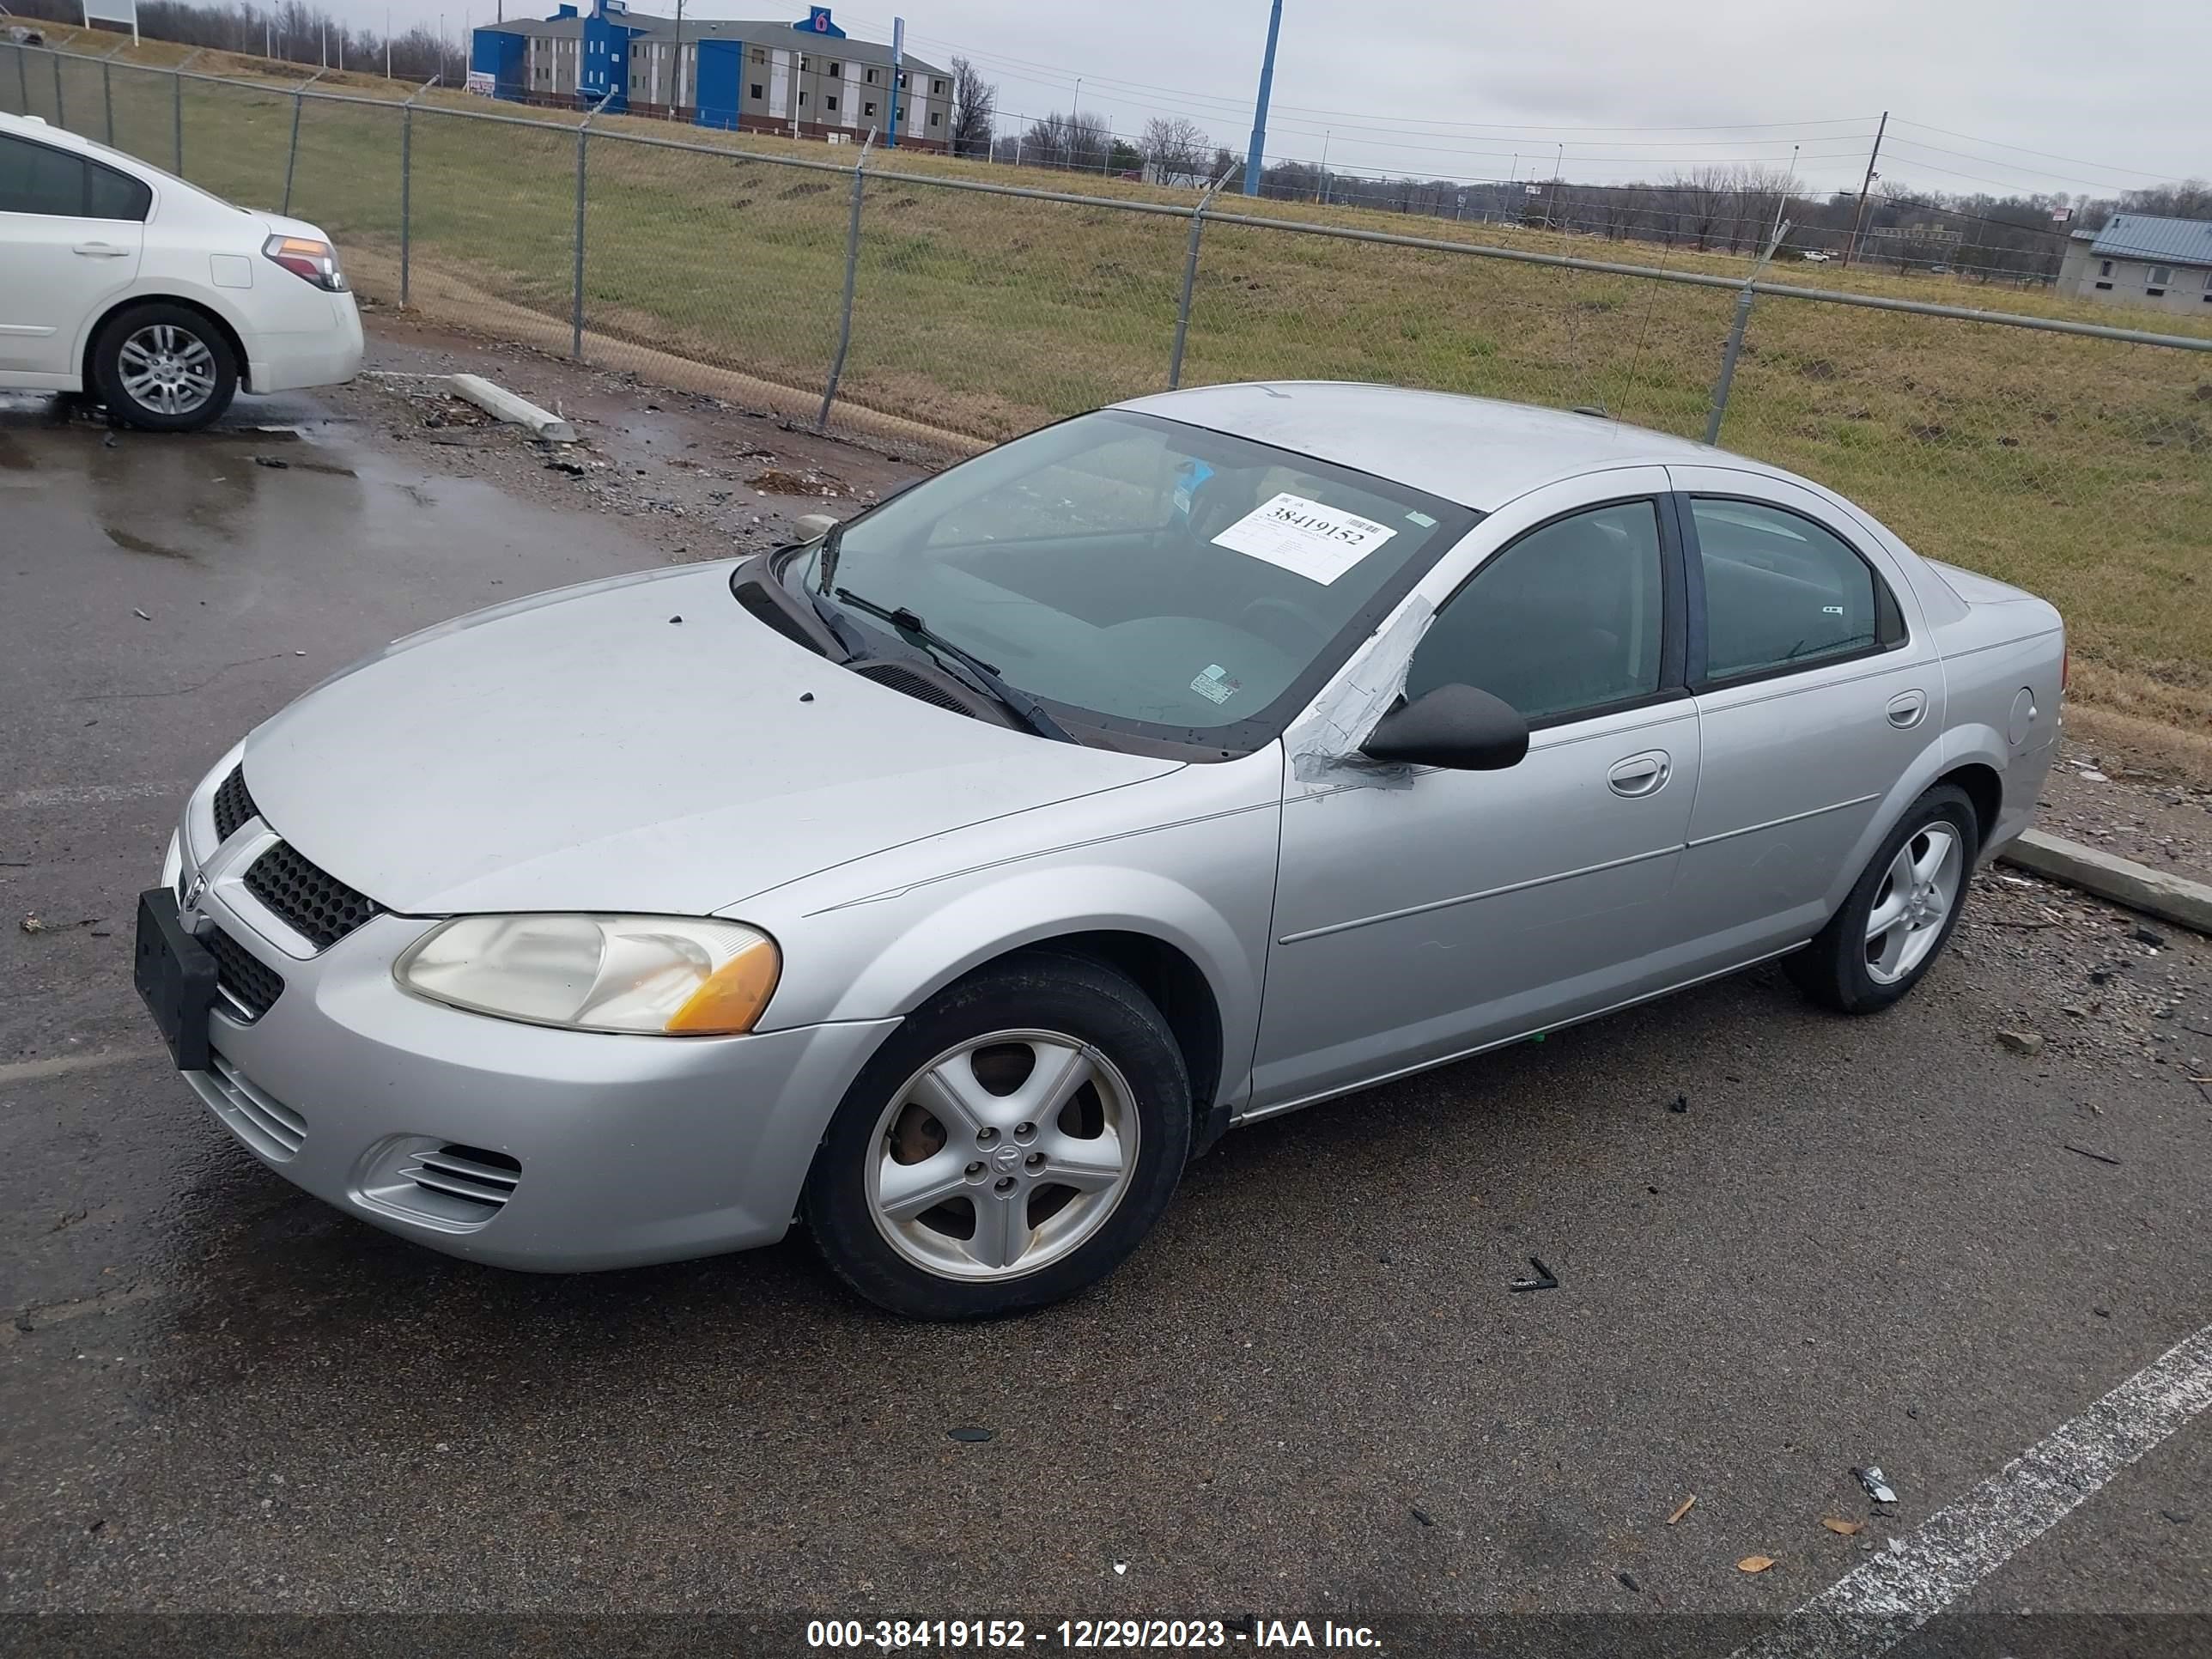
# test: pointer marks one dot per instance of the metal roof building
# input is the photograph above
(803, 80)
(2137, 260)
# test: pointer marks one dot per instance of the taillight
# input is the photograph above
(308, 260)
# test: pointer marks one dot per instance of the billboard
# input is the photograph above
(112, 11)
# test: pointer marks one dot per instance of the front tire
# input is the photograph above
(1010, 1144)
(1900, 913)
(164, 367)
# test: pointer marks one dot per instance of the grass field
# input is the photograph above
(2081, 468)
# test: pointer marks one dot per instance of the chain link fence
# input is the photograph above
(947, 311)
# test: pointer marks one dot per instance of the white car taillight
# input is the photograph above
(308, 259)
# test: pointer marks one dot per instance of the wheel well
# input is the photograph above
(1178, 989)
(1986, 790)
(230, 334)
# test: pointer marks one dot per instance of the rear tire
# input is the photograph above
(933, 1193)
(1900, 914)
(164, 367)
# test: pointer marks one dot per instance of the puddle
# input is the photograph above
(131, 543)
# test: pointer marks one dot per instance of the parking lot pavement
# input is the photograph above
(1787, 1245)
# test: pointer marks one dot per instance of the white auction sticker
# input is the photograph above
(1308, 538)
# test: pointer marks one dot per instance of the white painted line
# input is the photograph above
(91, 794)
(1872, 1609)
(33, 1071)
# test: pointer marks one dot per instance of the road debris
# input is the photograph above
(1754, 1564)
(2150, 936)
(1628, 1582)
(1679, 1103)
(140, 615)
(276, 462)
(974, 1436)
(1542, 1281)
(1682, 1509)
(32, 925)
(1876, 1483)
(2021, 1042)
(2083, 1151)
(1845, 1528)
(1424, 1517)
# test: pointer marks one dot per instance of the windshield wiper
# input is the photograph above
(982, 674)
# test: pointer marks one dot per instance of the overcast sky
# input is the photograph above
(2113, 90)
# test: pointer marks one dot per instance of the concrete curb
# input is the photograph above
(516, 410)
(2171, 898)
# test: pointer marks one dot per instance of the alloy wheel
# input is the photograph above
(1917, 893)
(1002, 1155)
(167, 369)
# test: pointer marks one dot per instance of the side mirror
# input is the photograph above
(812, 526)
(1457, 727)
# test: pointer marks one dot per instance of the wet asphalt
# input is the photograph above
(1313, 1392)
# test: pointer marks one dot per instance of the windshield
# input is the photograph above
(1139, 574)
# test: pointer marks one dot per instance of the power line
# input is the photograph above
(2077, 161)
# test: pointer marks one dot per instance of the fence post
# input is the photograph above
(23, 75)
(107, 97)
(576, 296)
(1728, 354)
(60, 117)
(1734, 349)
(407, 184)
(851, 273)
(177, 108)
(1190, 281)
(292, 153)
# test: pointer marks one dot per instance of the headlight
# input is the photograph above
(661, 976)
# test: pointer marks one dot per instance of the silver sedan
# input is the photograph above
(947, 883)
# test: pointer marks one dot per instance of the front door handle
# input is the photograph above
(1641, 774)
(100, 251)
(1907, 709)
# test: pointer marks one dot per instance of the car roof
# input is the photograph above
(1479, 452)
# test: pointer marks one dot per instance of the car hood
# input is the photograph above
(640, 745)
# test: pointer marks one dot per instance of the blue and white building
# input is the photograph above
(804, 80)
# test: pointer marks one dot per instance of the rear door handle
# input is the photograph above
(1907, 709)
(100, 251)
(1641, 774)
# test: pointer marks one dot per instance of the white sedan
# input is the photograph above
(163, 301)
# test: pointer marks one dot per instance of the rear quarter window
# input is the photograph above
(1783, 592)
(112, 195)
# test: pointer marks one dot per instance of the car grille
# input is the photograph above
(318, 905)
(232, 805)
(250, 983)
(262, 1121)
(463, 1183)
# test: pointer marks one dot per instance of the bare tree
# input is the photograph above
(1079, 142)
(1177, 149)
(974, 109)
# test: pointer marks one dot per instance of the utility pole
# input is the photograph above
(1852, 248)
(1558, 166)
(1257, 156)
(676, 82)
(1320, 185)
(898, 59)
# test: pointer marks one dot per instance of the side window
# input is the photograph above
(1567, 620)
(36, 179)
(1781, 591)
(112, 195)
